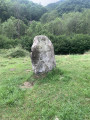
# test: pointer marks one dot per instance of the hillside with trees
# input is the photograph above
(53, 6)
(73, 5)
(24, 10)
(66, 23)
(65, 6)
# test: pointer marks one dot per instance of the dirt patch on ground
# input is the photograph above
(27, 85)
(12, 69)
(28, 70)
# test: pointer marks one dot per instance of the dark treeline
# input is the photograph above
(67, 24)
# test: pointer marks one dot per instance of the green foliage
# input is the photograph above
(55, 27)
(21, 9)
(66, 6)
(7, 43)
(80, 44)
(53, 6)
(17, 52)
(4, 13)
(27, 42)
(35, 28)
(48, 17)
(71, 23)
(73, 5)
(9, 29)
(61, 26)
(76, 44)
(13, 28)
(77, 22)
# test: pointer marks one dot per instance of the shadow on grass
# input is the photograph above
(50, 77)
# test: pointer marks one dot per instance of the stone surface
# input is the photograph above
(42, 55)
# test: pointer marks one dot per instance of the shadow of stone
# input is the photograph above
(46, 77)
(51, 77)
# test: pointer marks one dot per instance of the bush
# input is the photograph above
(80, 44)
(17, 52)
(4, 42)
(27, 42)
(63, 44)
(7, 43)
(75, 44)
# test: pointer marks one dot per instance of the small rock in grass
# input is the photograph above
(28, 70)
(56, 118)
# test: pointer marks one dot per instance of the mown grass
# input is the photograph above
(63, 93)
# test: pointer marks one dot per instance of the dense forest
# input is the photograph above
(66, 23)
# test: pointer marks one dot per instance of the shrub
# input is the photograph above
(61, 44)
(4, 42)
(27, 42)
(79, 44)
(75, 44)
(17, 52)
(7, 43)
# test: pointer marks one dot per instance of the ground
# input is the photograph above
(63, 93)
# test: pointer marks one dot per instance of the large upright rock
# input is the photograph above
(42, 56)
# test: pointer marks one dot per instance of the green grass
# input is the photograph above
(63, 93)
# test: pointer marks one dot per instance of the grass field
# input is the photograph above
(63, 93)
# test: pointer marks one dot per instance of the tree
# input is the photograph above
(10, 28)
(48, 17)
(21, 9)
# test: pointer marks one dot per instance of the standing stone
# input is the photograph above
(42, 55)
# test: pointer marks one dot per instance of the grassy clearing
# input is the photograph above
(63, 93)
